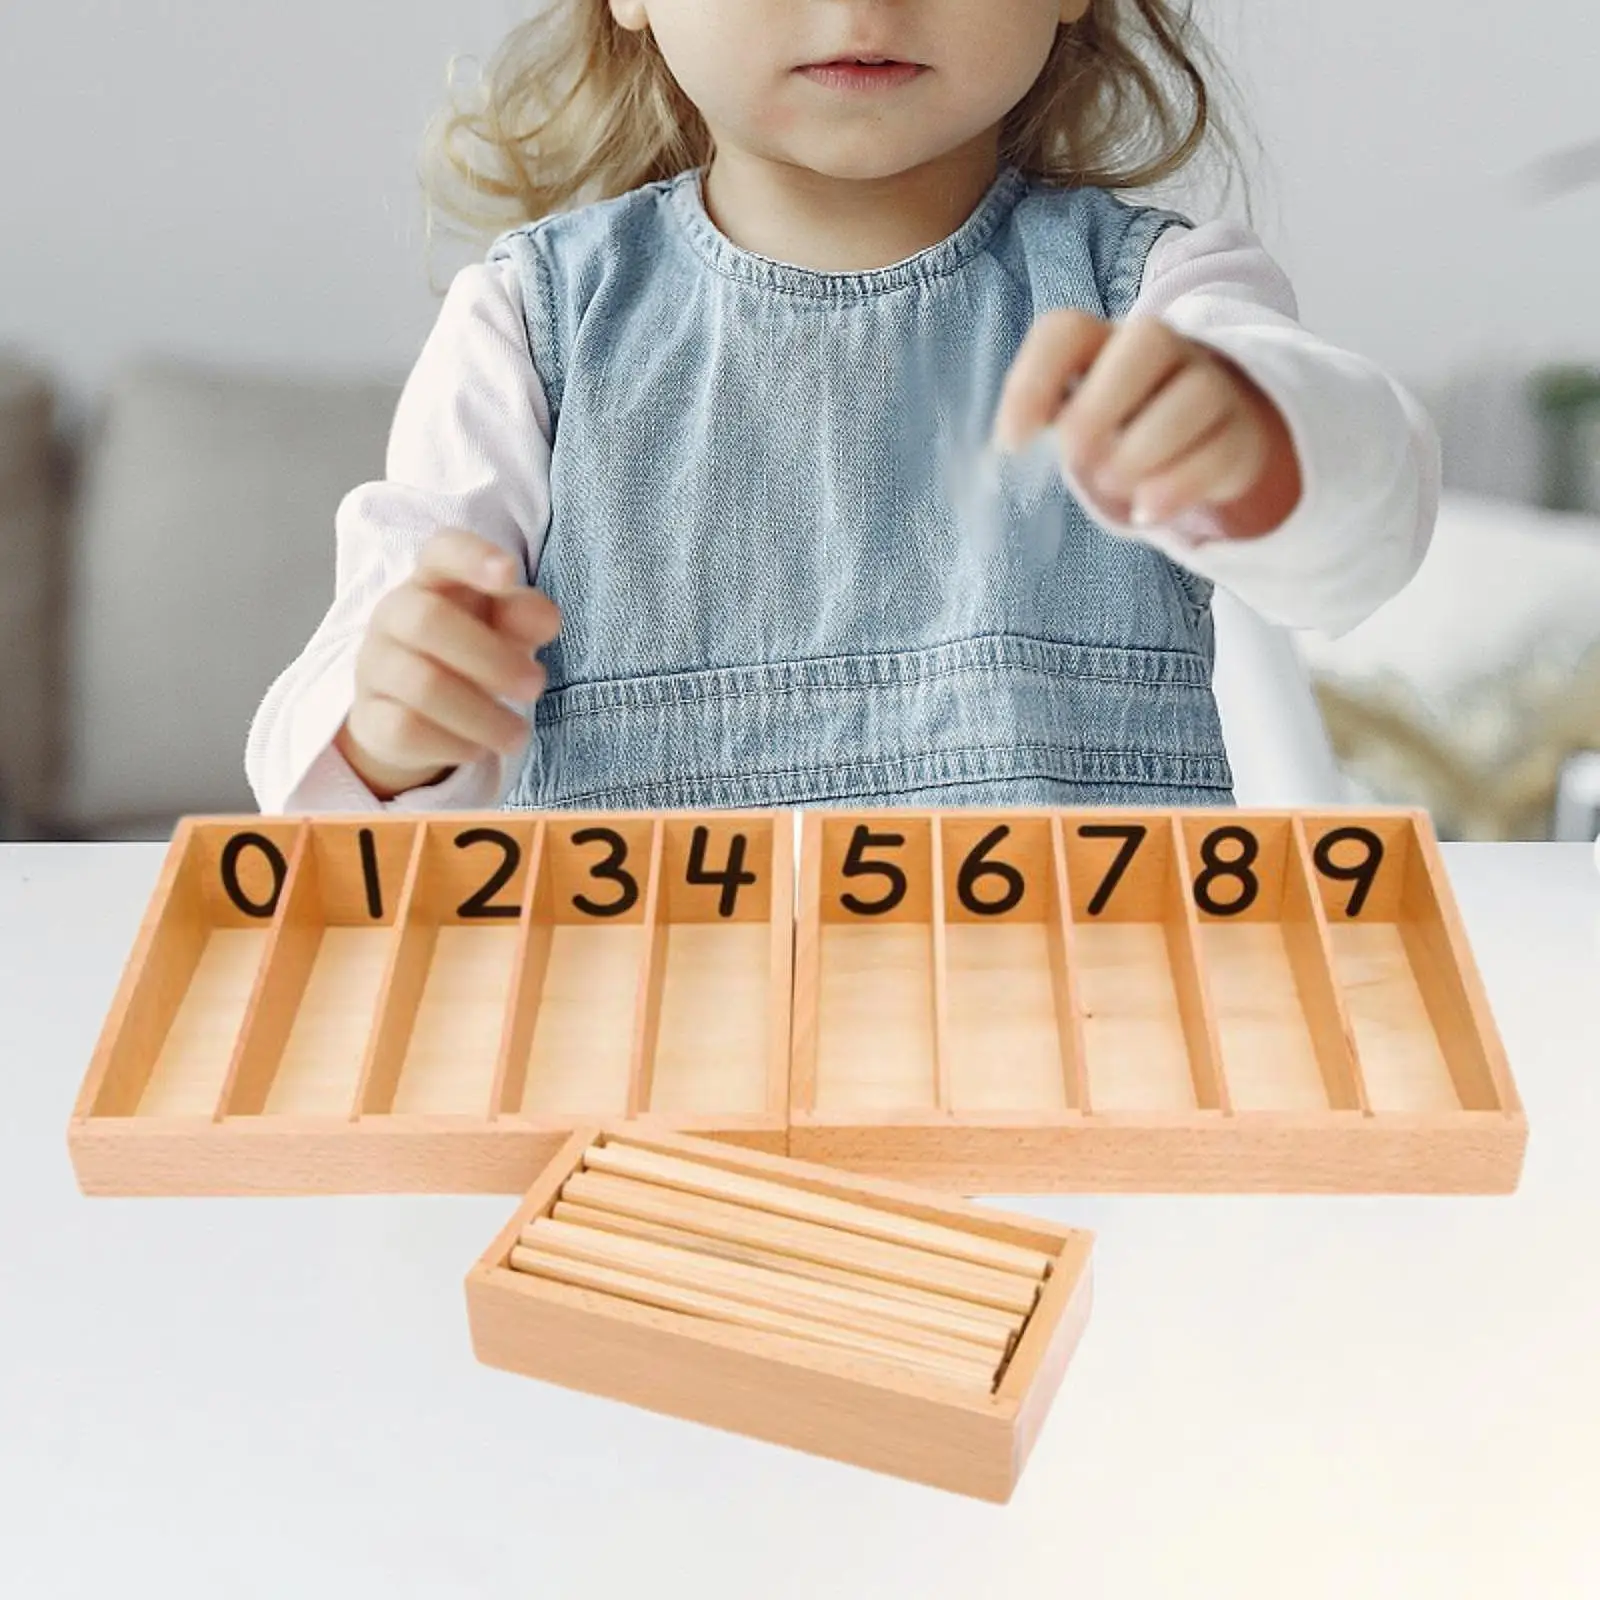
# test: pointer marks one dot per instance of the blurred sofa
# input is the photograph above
(161, 569)
(1476, 690)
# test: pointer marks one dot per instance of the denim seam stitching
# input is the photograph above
(1135, 754)
(1178, 666)
(562, 713)
(1207, 771)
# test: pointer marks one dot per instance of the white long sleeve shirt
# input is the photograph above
(470, 447)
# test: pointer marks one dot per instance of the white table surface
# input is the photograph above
(1275, 1397)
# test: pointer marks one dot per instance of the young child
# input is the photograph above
(683, 503)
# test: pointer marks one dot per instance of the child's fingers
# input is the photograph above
(1194, 405)
(530, 617)
(1055, 352)
(1220, 469)
(457, 555)
(393, 671)
(431, 624)
(402, 734)
(1142, 356)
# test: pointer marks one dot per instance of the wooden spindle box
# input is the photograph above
(966, 1437)
(984, 1002)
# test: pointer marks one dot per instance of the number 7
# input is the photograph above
(1132, 835)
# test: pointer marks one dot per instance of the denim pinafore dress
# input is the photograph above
(775, 586)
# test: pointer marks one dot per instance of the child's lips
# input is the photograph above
(850, 72)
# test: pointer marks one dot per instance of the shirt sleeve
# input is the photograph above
(1368, 454)
(469, 446)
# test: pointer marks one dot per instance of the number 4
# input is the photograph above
(730, 877)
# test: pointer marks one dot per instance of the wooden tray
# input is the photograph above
(328, 1005)
(854, 1319)
(1024, 1001)
(1118, 1000)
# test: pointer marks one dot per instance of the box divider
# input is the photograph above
(536, 928)
(939, 988)
(1063, 972)
(1305, 934)
(415, 930)
(807, 986)
(291, 949)
(781, 964)
(652, 974)
(1182, 925)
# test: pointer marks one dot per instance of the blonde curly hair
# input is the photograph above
(573, 108)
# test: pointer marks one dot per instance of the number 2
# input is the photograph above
(477, 904)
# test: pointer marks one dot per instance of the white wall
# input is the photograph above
(231, 181)
(238, 181)
(1396, 133)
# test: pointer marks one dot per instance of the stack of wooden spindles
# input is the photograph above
(704, 1241)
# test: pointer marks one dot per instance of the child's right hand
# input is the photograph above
(440, 652)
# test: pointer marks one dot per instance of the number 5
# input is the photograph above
(856, 866)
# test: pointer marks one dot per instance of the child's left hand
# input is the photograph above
(1151, 423)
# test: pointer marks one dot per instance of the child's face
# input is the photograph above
(744, 65)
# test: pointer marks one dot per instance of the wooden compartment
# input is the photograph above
(1149, 1001)
(1281, 1040)
(333, 1005)
(437, 1046)
(859, 1320)
(1413, 999)
(715, 1035)
(187, 987)
(300, 1050)
(1150, 1045)
(868, 1047)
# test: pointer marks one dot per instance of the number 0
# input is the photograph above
(231, 851)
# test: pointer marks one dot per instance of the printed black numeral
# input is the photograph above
(610, 868)
(1238, 870)
(369, 873)
(478, 905)
(978, 866)
(1362, 873)
(1132, 835)
(856, 866)
(231, 851)
(730, 877)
